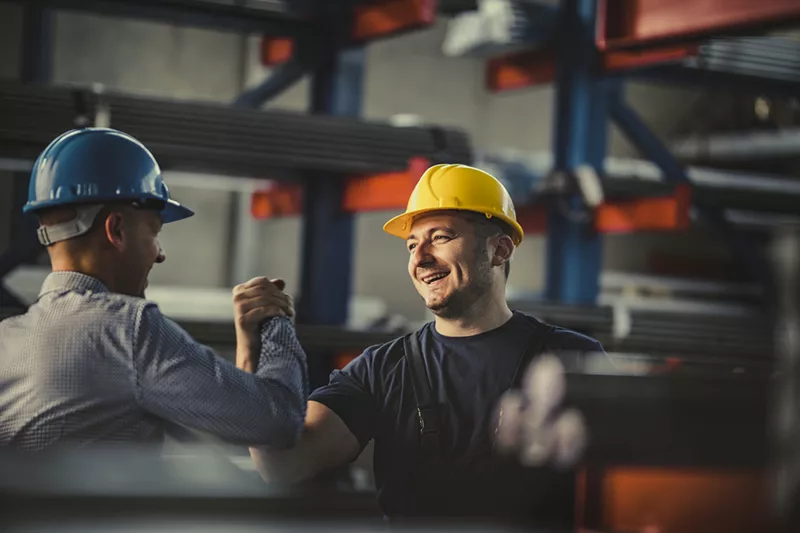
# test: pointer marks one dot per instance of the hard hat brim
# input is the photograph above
(173, 211)
(400, 226)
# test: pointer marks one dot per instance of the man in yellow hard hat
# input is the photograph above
(429, 399)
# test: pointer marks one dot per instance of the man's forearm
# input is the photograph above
(282, 361)
(248, 348)
(282, 466)
(183, 381)
(326, 443)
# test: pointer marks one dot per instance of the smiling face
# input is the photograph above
(450, 263)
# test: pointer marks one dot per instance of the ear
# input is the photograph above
(503, 249)
(115, 230)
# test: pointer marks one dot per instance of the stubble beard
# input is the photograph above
(465, 301)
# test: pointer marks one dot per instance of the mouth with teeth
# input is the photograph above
(434, 278)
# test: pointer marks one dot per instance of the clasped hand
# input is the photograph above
(257, 300)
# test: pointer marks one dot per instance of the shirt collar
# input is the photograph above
(74, 281)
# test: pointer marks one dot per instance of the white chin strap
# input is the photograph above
(72, 228)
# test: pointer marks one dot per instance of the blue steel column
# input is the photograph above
(574, 249)
(327, 253)
(751, 259)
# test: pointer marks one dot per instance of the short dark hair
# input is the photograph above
(489, 227)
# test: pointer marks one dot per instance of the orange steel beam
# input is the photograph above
(277, 200)
(382, 19)
(618, 60)
(645, 23)
(526, 68)
(390, 191)
(276, 50)
(521, 69)
(379, 192)
(668, 213)
(639, 33)
(674, 499)
(370, 21)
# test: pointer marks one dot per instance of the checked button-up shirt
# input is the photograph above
(84, 366)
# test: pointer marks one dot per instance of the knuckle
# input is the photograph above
(239, 297)
(269, 289)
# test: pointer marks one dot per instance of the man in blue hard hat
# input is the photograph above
(94, 363)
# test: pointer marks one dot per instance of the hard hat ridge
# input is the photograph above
(96, 165)
(459, 187)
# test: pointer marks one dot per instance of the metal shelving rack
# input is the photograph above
(589, 51)
(588, 48)
(586, 97)
(328, 39)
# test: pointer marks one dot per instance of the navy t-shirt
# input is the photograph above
(374, 397)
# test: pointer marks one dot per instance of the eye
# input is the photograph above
(411, 247)
(441, 238)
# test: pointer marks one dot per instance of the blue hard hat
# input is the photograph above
(96, 165)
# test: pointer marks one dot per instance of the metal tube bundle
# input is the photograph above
(220, 139)
(771, 57)
(724, 339)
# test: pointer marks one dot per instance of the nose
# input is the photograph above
(420, 255)
(161, 257)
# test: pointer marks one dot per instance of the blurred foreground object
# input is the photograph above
(187, 488)
(659, 444)
(786, 419)
(532, 423)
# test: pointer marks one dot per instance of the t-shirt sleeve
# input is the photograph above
(350, 394)
(572, 341)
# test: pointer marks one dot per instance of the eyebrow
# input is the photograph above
(434, 229)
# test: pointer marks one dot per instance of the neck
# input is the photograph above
(86, 265)
(487, 313)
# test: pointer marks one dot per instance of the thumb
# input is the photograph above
(279, 283)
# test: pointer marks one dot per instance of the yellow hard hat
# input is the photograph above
(444, 187)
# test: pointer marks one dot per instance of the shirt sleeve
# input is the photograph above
(568, 340)
(183, 381)
(350, 394)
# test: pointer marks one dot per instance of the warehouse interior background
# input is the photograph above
(678, 281)
(404, 75)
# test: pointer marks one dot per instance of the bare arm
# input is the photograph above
(326, 442)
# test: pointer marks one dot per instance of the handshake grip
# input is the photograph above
(255, 302)
(532, 423)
